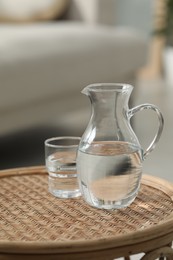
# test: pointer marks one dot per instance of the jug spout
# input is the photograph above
(85, 91)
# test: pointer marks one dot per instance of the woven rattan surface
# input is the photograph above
(31, 216)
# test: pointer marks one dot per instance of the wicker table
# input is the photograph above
(36, 225)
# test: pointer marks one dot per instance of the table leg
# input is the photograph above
(160, 253)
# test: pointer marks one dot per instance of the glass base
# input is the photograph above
(66, 187)
(65, 194)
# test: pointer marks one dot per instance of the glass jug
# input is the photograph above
(109, 159)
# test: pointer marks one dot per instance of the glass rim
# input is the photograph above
(59, 138)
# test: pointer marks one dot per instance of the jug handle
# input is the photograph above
(141, 107)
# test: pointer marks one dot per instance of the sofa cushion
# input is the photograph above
(31, 10)
(43, 61)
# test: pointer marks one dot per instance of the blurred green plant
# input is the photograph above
(166, 29)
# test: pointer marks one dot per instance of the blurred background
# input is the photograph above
(51, 49)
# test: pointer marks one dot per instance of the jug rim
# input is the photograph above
(101, 87)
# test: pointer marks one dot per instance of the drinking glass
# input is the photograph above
(60, 157)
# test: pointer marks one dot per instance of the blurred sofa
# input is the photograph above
(44, 65)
